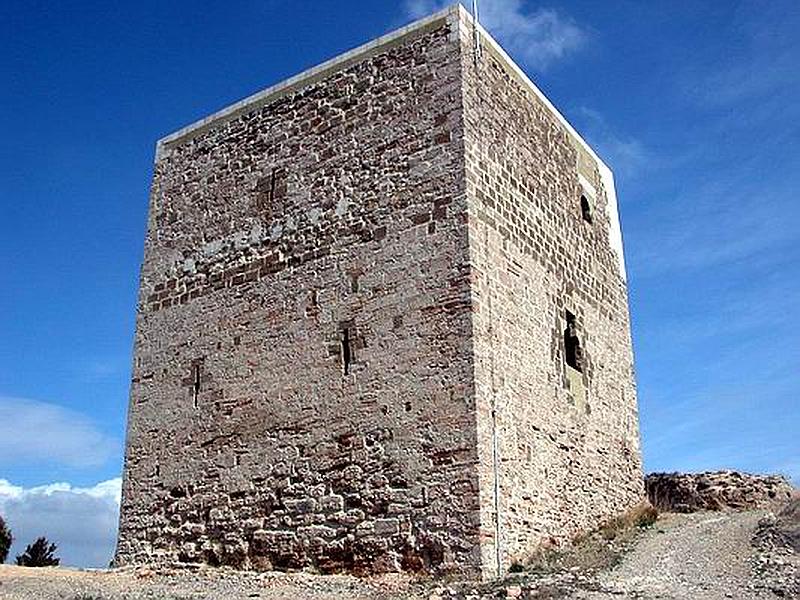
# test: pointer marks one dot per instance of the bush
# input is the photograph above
(647, 516)
(6, 539)
(642, 515)
(597, 549)
(40, 553)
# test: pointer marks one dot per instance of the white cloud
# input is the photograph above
(535, 37)
(35, 432)
(8, 491)
(81, 521)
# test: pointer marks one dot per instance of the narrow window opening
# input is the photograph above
(346, 351)
(271, 194)
(586, 209)
(312, 305)
(195, 383)
(573, 353)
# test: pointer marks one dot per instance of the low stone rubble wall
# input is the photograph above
(721, 490)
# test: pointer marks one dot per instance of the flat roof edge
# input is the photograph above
(306, 77)
(497, 48)
(351, 56)
(606, 174)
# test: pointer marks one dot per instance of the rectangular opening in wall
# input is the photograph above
(277, 188)
(195, 383)
(271, 193)
(586, 209)
(346, 351)
(573, 353)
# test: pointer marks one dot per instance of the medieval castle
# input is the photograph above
(382, 323)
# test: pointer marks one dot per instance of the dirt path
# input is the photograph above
(698, 556)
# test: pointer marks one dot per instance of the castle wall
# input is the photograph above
(558, 447)
(352, 337)
(329, 216)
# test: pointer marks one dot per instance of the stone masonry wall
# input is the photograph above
(559, 448)
(331, 216)
(352, 337)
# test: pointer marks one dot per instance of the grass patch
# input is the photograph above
(599, 549)
(641, 516)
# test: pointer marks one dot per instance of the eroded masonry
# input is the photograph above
(382, 324)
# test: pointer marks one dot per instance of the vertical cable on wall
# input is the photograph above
(476, 39)
(495, 441)
(494, 404)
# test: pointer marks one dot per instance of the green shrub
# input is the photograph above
(6, 539)
(40, 553)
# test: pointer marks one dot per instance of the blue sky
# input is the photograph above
(693, 104)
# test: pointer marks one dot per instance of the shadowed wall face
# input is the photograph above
(302, 382)
(558, 435)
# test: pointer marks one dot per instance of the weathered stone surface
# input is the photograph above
(350, 334)
(720, 490)
(558, 448)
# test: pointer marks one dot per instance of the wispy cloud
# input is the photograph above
(81, 521)
(719, 431)
(99, 370)
(35, 432)
(736, 218)
(763, 64)
(537, 37)
(625, 155)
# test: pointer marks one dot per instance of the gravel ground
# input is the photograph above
(700, 556)
(17, 583)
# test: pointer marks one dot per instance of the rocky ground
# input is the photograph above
(703, 555)
(776, 561)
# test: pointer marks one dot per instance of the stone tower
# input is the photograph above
(382, 323)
